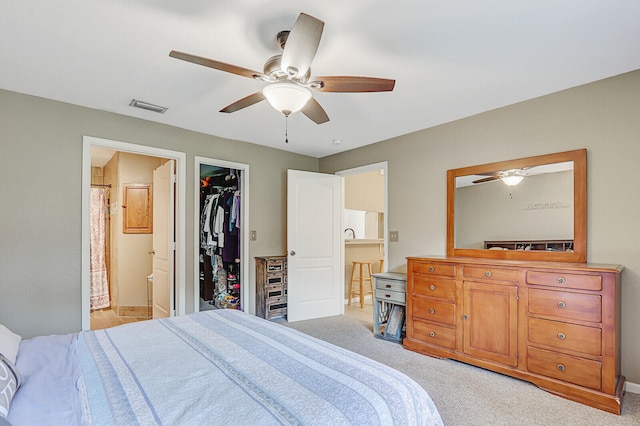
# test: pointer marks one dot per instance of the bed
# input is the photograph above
(215, 367)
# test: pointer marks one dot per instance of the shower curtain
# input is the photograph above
(98, 283)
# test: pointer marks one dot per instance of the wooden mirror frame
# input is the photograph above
(579, 254)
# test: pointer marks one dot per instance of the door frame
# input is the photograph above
(246, 304)
(88, 142)
(383, 165)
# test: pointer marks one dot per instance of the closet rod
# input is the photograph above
(108, 185)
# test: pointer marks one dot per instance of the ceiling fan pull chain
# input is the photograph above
(286, 129)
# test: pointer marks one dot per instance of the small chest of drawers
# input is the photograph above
(390, 290)
(271, 286)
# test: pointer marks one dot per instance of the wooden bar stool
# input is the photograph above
(360, 279)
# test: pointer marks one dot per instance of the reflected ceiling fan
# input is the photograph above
(509, 177)
(288, 75)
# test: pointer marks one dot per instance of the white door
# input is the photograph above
(163, 240)
(314, 243)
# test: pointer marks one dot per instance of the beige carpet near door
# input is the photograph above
(466, 395)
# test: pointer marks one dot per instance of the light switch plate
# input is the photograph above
(253, 235)
(393, 236)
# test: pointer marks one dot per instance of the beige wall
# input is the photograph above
(364, 191)
(40, 188)
(603, 117)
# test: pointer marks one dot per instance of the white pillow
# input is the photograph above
(9, 343)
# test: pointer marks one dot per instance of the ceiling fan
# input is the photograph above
(509, 177)
(290, 83)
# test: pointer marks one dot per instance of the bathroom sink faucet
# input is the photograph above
(353, 233)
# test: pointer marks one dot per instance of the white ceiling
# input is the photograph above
(450, 59)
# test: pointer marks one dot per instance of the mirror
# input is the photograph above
(526, 209)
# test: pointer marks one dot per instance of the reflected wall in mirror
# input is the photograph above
(531, 209)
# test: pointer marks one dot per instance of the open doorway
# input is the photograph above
(365, 223)
(118, 183)
(222, 236)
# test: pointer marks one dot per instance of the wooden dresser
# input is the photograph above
(271, 286)
(556, 325)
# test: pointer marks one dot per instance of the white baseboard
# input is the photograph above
(632, 387)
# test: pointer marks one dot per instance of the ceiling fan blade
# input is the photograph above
(354, 84)
(244, 102)
(302, 45)
(487, 179)
(315, 112)
(233, 69)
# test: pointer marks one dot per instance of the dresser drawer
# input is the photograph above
(391, 296)
(490, 273)
(435, 334)
(276, 265)
(274, 291)
(579, 371)
(434, 311)
(578, 338)
(276, 303)
(434, 269)
(562, 304)
(560, 279)
(441, 288)
(392, 285)
(275, 279)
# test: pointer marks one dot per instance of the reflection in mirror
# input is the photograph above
(491, 209)
(531, 208)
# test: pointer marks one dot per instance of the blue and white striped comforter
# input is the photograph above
(228, 367)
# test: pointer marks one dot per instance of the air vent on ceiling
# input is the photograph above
(146, 105)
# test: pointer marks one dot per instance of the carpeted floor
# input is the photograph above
(467, 395)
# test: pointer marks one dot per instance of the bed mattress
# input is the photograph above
(214, 367)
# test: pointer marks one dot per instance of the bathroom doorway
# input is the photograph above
(124, 174)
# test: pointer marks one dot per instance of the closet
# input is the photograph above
(220, 237)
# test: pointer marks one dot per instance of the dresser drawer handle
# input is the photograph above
(561, 280)
(561, 336)
(388, 286)
(561, 305)
(432, 333)
(432, 287)
(432, 311)
(488, 273)
(560, 367)
(387, 296)
(431, 269)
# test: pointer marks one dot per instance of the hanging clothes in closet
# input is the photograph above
(220, 200)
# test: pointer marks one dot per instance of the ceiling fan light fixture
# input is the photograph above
(512, 180)
(286, 97)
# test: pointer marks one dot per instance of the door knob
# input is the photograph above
(292, 253)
